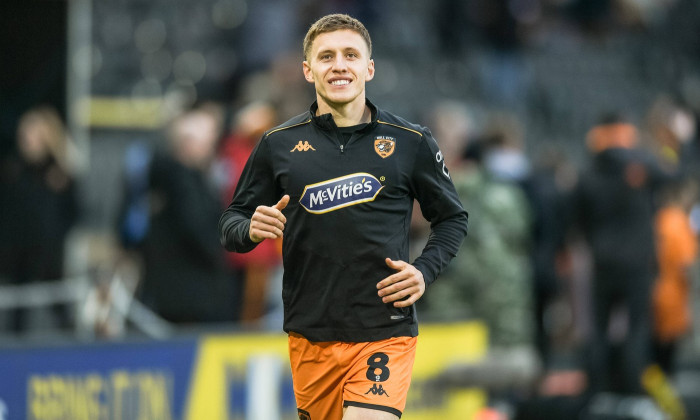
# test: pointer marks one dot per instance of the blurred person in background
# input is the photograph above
(39, 206)
(672, 128)
(613, 209)
(260, 264)
(452, 124)
(344, 176)
(491, 279)
(547, 187)
(677, 249)
(133, 218)
(504, 153)
(673, 131)
(185, 278)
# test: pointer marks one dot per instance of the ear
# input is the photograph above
(370, 71)
(308, 75)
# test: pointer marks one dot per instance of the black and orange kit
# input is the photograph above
(351, 202)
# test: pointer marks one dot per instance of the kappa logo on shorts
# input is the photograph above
(384, 146)
(303, 415)
(337, 193)
(377, 390)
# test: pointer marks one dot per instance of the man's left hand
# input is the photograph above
(404, 287)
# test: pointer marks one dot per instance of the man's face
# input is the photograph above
(338, 66)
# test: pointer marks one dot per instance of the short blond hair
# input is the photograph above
(335, 22)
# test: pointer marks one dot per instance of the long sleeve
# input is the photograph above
(441, 206)
(255, 187)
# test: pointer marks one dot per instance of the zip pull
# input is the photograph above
(342, 148)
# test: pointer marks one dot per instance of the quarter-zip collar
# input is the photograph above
(326, 122)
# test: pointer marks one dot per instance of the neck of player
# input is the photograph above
(346, 115)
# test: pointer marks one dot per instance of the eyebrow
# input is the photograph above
(346, 49)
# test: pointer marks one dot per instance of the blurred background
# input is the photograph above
(570, 131)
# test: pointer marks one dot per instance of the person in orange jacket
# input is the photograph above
(677, 247)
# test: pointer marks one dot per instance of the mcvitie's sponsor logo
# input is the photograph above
(337, 193)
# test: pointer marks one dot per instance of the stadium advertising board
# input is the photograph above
(215, 377)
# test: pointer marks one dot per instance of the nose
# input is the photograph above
(339, 64)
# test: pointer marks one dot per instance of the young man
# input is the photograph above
(344, 176)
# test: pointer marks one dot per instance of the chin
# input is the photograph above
(341, 99)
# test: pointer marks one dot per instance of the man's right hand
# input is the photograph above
(268, 222)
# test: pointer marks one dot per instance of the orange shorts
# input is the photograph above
(329, 376)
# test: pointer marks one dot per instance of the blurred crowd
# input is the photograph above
(585, 274)
(582, 267)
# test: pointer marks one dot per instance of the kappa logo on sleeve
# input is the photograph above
(338, 193)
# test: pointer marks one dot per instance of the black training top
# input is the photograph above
(350, 208)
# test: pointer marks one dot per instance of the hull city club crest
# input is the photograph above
(384, 146)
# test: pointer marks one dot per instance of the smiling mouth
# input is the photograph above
(340, 82)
